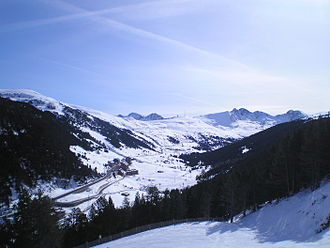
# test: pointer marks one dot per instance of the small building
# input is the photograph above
(132, 172)
(120, 173)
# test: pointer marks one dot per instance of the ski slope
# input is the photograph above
(291, 223)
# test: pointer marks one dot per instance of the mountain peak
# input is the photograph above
(291, 111)
(291, 115)
(153, 117)
(150, 117)
(240, 111)
(135, 116)
(21, 93)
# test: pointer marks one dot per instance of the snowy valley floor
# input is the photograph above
(291, 223)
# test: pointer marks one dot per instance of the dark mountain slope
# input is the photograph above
(245, 148)
(299, 159)
(114, 135)
(35, 145)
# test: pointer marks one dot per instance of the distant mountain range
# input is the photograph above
(177, 135)
(229, 118)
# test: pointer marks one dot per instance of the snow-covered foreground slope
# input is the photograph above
(291, 223)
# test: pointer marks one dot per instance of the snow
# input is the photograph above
(208, 234)
(296, 218)
(41, 102)
(155, 169)
(230, 118)
(180, 128)
(245, 149)
(96, 159)
(291, 223)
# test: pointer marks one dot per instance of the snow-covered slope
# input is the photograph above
(258, 118)
(178, 134)
(41, 102)
(154, 145)
(292, 223)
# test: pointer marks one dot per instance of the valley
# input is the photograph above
(154, 144)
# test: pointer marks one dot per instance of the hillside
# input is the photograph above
(244, 148)
(34, 147)
(291, 223)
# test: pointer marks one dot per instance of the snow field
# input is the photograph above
(156, 168)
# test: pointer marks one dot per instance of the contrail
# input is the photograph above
(82, 14)
(97, 17)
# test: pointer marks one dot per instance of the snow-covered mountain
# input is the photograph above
(154, 145)
(177, 133)
(41, 102)
(299, 221)
(232, 118)
(150, 117)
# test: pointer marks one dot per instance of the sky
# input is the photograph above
(170, 56)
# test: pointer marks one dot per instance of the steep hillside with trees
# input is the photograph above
(34, 145)
(248, 147)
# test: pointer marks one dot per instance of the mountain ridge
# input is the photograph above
(149, 117)
(225, 119)
(228, 118)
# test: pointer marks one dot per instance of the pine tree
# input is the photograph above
(36, 223)
(126, 203)
(92, 213)
(101, 204)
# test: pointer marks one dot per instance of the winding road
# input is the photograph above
(84, 188)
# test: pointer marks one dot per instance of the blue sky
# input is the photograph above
(170, 56)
